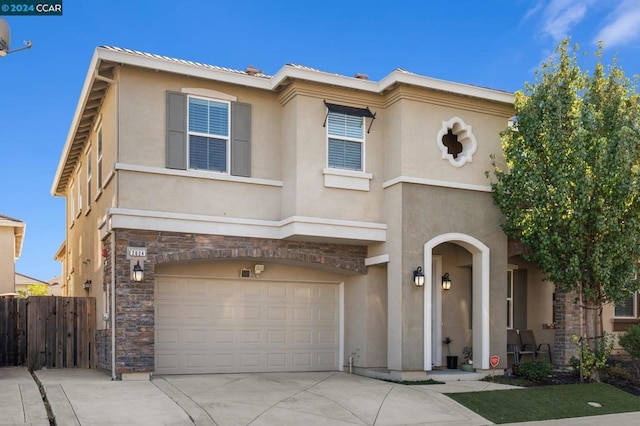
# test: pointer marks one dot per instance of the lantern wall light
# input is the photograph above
(418, 277)
(137, 273)
(446, 281)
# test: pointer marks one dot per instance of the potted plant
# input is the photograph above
(468, 358)
(452, 360)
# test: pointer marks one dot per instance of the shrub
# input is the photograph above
(592, 360)
(630, 341)
(535, 370)
(617, 371)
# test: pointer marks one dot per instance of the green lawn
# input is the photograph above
(547, 402)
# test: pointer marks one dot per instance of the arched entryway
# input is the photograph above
(480, 295)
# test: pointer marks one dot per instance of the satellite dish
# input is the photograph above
(5, 40)
(5, 37)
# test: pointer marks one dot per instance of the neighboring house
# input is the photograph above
(23, 281)
(279, 220)
(11, 237)
(55, 286)
(61, 256)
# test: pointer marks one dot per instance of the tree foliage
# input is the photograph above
(571, 190)
(35, 290)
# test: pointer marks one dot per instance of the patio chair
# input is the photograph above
(529, 343)
(514, 344)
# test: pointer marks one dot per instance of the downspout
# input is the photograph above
(112, 233)
(113, 304)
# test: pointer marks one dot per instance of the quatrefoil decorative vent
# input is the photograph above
(457, 142)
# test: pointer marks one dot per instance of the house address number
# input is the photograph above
(136, 252)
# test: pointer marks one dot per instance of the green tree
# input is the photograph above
(35, 290)
(571, 188)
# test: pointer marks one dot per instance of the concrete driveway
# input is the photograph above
(90, 397)
(329, 398)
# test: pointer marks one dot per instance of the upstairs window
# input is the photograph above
(345, 134)
(211, 134)
(208, 135)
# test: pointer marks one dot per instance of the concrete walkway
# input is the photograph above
(20, 399)
(90, 397)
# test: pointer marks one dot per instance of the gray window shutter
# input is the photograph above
(240, 139)
(176, 130)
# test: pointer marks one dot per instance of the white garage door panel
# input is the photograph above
(209, 326)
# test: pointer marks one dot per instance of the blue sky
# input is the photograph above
(492, 43)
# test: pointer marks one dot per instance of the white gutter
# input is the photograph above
(114, 375)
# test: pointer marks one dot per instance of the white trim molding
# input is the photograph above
(346, 179)
(465, 137)
(195, 174)
(434, 182)
(313, 228)
(376, 260)
(480, 291)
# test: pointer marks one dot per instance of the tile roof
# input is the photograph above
(180, 61)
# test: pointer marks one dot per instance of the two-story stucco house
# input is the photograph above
(279, 223)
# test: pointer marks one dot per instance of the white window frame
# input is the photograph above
(226, 138)
(362, 142)
(510, 303)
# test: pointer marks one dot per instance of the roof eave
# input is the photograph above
(401, 77)
(56, 189)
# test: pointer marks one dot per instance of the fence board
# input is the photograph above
(8, 335)
(47, 331)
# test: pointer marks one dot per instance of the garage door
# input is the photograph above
(233, 326)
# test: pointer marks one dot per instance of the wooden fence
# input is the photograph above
(48, 331)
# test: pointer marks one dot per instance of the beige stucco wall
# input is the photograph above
(83, 259)
(7, 259)
(432, 211)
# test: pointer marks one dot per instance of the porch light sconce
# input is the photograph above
(446, 281)
(87, 284)
(418, 277)
(137, 273)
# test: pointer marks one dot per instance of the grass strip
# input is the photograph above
(547, 402)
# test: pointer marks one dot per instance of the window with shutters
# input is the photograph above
(345, 141)
(208, 134)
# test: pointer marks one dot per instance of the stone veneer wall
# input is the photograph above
(103, 349)
(567, 322)
(135, 301)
